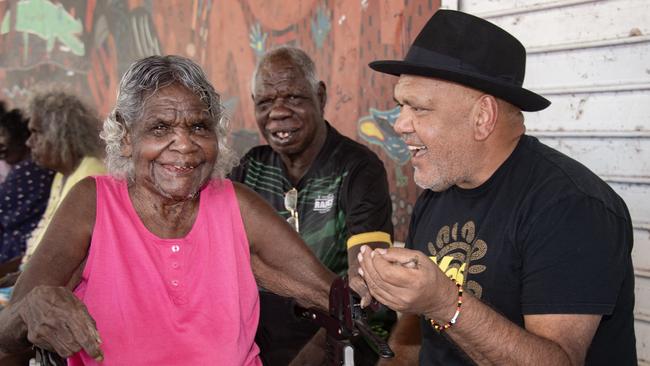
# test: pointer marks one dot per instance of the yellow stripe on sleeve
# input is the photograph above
(370, 237)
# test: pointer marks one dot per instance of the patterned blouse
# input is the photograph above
(23, 198)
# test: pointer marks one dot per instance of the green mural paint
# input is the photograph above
(401, 180)
(4, 29)
(50, 22)
(26, 48)
(257, 39)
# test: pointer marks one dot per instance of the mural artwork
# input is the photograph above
(86, 45)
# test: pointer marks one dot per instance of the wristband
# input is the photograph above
(443, 327)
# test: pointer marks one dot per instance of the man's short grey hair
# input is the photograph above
(144, 78)
(68, 124)
(296, 56)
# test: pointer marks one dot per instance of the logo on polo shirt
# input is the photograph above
(323, 204)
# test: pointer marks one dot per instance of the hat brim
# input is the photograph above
(522, 98)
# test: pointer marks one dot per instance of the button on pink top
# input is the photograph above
(185, 301)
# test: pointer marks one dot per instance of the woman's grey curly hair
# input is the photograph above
(69, 125)
(143, 78)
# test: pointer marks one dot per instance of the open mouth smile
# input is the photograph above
(179, 168)
(283, 136)
(417, 150)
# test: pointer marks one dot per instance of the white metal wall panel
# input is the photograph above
(642, 314)
(643, 342)
(490, 7)
(612, 113)
(636, 197)
(621, 65)
(592, 60)
(641, 251)
(585, 21)
(642, 290)
(607, 156)
(641, 255)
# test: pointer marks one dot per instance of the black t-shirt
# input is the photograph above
(544, 235)
(344, 193)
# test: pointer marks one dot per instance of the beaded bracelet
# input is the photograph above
(443, 327)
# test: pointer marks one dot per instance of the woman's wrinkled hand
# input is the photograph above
(57, 321)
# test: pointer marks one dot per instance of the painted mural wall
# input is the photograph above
(87, 45)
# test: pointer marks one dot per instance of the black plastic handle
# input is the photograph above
(374, 341)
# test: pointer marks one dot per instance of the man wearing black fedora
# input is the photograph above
(537, 247)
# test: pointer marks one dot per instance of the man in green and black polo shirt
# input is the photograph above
(332, 189)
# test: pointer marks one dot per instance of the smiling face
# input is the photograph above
(289, 112)
(174, 145)
(435, 121)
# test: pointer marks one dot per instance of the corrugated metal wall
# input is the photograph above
(592, 60)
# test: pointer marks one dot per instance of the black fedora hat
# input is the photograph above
(471, 51)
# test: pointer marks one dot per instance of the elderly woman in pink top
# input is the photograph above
(157, 264)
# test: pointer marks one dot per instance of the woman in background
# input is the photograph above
(23, 194)
(64, 138)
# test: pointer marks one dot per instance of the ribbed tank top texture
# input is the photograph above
(185, 301)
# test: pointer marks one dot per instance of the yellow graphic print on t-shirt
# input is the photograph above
(457, 253)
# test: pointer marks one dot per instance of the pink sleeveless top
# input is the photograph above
(185, 301)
